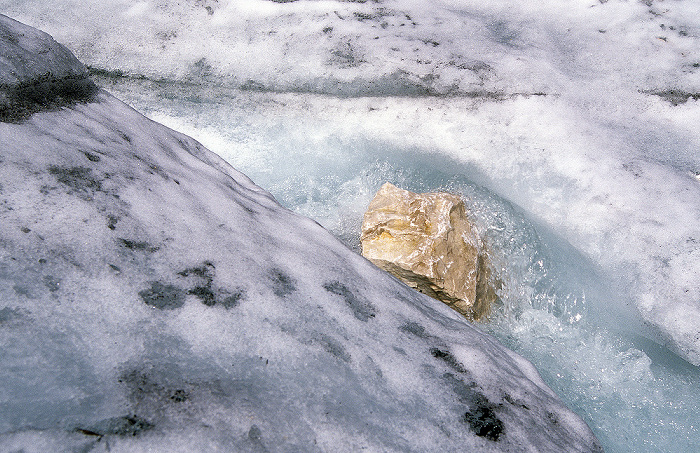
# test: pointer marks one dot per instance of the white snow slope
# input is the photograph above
(582, 112)
(155, 299)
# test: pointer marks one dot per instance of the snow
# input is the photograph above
(29, 53)
(155, 299)
(580, 114)
(37, 73)
(570, 126)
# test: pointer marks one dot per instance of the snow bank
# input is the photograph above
(154, 298)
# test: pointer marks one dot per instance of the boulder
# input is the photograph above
(427, 241)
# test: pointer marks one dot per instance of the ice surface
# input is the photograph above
(594, 175)
(154, 298)
(148, 293)
(28, 54)
(596, 136)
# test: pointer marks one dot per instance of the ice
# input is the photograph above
(162, 296)
(571, 126)
(155, 299)
(28, 54)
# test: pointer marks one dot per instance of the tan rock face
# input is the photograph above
(427, 241)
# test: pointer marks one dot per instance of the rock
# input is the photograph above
(427, 241)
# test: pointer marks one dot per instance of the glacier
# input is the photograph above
(156, 299)
(569, 127)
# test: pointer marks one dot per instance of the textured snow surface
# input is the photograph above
(569, 126)
(37, 73)
(28, 54)
(587, 142)
(155, 299)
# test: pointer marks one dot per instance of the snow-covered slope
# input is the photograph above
(155, 299)
(587, 140)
